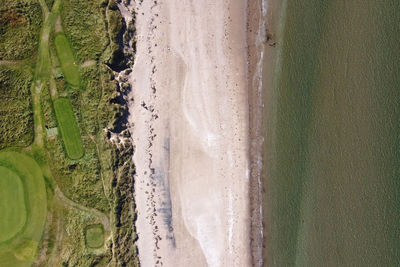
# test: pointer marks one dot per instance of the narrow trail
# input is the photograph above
(45, 9)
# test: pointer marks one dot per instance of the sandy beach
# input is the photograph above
(190, 126)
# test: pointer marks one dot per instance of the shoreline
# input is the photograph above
(324, 140)
(255, 47)
(260, 57)
(263, 35)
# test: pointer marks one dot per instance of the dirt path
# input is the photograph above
(37, 113)
(11, 62)
(58, 26)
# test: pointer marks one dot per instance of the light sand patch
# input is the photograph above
(11, 62)
(58, 26)
(190, 130)
(88, 63)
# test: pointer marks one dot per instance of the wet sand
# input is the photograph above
(190, 126)
(262, 38)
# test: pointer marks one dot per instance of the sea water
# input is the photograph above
(332, 135)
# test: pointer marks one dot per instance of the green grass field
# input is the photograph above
(66, 57)
(21, 249)
(12, 204)
(94, 236)
(68, 128)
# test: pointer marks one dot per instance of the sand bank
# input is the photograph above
(190, 126)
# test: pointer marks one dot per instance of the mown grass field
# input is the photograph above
(21, 249)
(66, 57)
(12, 204)
(94, 236)
(69, 129)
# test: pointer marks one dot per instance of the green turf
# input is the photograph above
(21, 250)
(68, 128)
(12, 204)
(94, 236)
(66, 57)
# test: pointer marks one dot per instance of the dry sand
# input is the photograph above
(190, 126)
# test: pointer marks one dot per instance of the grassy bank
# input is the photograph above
(333, 179)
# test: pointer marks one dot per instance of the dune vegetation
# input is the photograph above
(56, 120)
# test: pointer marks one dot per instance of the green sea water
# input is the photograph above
(332, 171)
